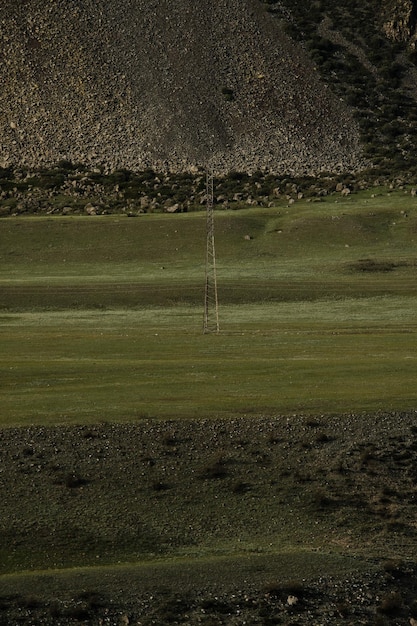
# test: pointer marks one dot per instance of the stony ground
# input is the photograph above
(136, 84)
(373, 599)
(338, 492)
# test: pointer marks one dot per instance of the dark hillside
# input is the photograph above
(366, 53)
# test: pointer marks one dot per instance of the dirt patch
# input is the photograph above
(374, 265)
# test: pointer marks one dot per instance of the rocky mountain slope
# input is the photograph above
(249, 84)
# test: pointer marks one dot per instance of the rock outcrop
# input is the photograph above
(400, 21)
(135, 84)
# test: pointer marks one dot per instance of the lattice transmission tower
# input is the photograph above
(211, 302)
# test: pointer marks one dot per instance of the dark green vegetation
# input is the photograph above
(69, 190)
(368, 63)
(155, 472)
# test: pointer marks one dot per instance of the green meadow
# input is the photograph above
(101, 317)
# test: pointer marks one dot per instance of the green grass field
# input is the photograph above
(61, 367)
(101, 318)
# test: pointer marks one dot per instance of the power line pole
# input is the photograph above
(211, 303)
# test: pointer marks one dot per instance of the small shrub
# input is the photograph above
(89, 434)
(240, 488)
(73, 481)
(391, 604)
(273, 589)
(302, 477)
(295, 588)
(371, 265)
(213, 605)
(274, 439)
(173, 610)
(228, 94)
(66, 165)
(396, 526)
(78, 613)
(321, 499)
(28, 451)
(5, 603)
(312, 423)
(282, 590)
(160, 486)
(92, 600)
(170, 441)
(215, 470)
(323, 438)
(55, 610)
(343, 608)
(366, 456)
(30, 602)
(413, 609)
(394, 567)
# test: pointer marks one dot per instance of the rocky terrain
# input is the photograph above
(282, 86)
(136, 84)
(383, 596)
(64, 190)
(399, 18)
(342, 494)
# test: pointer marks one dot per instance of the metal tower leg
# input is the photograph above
(211, 303)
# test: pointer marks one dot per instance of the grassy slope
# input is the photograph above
(102, 317)
(123, 366)
(102, 322)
